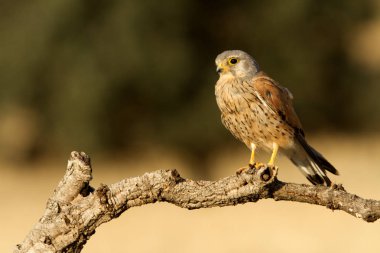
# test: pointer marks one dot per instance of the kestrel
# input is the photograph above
(259, 112)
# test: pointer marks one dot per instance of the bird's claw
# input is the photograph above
(257, 165)
(242, 169)
(254, 166)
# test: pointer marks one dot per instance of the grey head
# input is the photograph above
(236, 63)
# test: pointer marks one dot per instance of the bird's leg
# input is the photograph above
(252, 163)
(274, 154)
(252, 159)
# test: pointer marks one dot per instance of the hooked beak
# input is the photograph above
(219, 69)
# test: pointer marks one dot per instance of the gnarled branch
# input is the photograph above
(76, 209)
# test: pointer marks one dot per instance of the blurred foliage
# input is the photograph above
(114, 75)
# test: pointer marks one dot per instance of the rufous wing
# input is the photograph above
(277, 98)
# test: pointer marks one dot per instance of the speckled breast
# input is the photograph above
(249, 119)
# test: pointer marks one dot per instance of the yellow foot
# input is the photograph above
(256, 165)
(242, 169)
(250, 166)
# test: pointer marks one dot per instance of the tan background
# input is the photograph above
(265, 226)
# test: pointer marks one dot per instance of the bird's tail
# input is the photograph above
(311, 163)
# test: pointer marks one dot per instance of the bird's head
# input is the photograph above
(236, 63)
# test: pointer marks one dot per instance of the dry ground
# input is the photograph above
(265, 226)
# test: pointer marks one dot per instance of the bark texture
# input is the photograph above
(76, 209)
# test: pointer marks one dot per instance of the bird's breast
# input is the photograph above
(248, 118)
(230, 96)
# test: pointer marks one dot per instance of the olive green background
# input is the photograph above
(113, 76)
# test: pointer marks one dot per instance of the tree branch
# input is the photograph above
(76, 209)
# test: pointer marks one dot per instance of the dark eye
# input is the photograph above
(233, 61)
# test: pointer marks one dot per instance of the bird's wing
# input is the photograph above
(277, 98)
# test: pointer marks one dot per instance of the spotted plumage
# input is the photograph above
(259, 112)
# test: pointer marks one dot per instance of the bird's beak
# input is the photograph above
(219, 69)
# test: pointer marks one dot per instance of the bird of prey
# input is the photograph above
(259, 112)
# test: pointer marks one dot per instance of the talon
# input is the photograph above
(258, 165)
(241, 170)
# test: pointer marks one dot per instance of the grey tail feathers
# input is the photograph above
(315, 170)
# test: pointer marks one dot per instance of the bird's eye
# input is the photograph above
(233, 61)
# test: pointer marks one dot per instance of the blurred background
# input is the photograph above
(131, 83)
